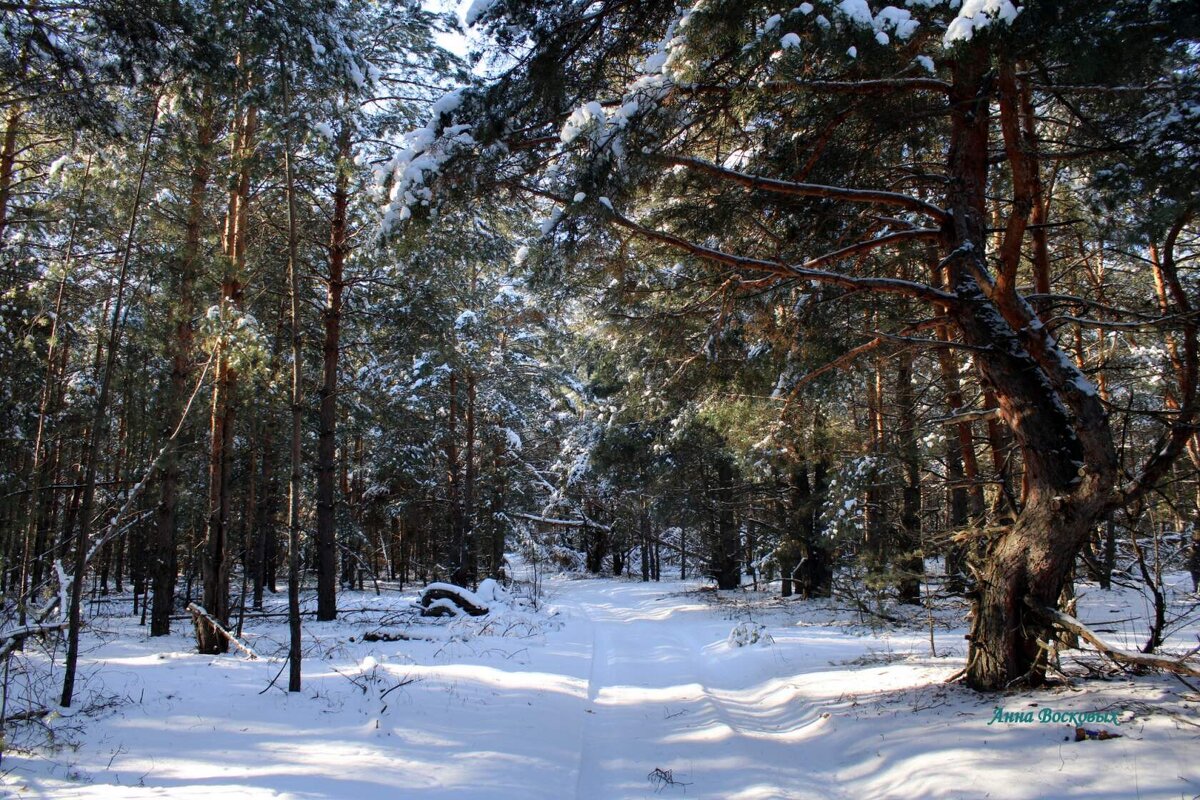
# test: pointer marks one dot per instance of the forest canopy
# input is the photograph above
(881, 301)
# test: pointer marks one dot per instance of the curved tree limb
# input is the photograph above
(1178, 666)
(775, 186)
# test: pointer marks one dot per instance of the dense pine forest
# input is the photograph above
(378, 320)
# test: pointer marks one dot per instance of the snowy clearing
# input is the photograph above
(611, 689)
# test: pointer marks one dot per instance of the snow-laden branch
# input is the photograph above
(17, 635)
(566, 523)
(974, 415)
(757, 182)
(876, 86)
(557, 497)
(975, 15)
(811, 269)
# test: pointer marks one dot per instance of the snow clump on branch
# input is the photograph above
(421, 158)
(976, 15)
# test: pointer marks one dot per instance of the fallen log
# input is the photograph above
(446, 599)
(198, 614)
(386, 636)
(33, 713)
(13, 638)
(1178, 666)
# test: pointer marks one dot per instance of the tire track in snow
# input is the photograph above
(587, 755)
(635, 656)
(651, 703)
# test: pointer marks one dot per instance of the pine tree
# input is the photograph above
(816, 127)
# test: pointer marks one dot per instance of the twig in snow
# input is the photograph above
(277, 674)
(662, 778)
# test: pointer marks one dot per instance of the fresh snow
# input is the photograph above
(514, 439)
(477, 9)
(734, 695)
(465, 320)
(856, 11)
(975, 15)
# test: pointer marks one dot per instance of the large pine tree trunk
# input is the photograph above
(327, 437)
(727, 567)
(909, 561)
(8, 160)
(1055, 417)
(216, 564)
(163, 565)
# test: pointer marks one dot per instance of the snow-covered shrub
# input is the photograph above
(749, 633)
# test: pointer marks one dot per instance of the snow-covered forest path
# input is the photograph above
(612, 689)
(664, 694)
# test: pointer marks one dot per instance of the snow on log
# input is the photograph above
(198, 614)
(12, 638)
(446, 599)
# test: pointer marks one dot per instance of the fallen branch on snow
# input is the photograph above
(1178, 666)
(198, 613)
(14, 637)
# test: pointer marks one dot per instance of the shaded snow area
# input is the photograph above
(605, 689)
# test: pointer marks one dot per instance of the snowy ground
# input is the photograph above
(612, 689)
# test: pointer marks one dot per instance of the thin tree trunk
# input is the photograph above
(1170, 293)
(99, 427)
(264, 526)
(495, 509)
(967, 504)
(728, 565)
(294, 653)
(453, 494)
(874, 518)
(43, 467)
(469, 553)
